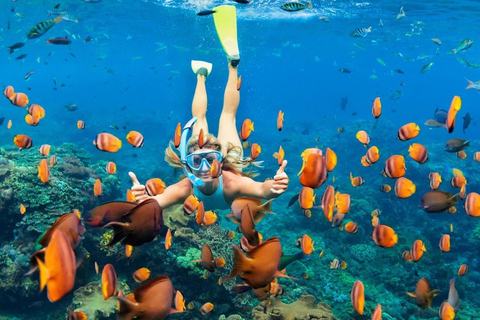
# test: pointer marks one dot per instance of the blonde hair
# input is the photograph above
(231, 160)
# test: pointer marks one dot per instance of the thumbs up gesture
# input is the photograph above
(280, 180)
(137, 189)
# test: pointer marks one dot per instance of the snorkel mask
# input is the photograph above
(183, 153)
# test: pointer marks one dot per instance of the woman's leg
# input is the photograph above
(227, 129)
(199, 106)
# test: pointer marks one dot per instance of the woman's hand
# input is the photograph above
(280, 181)
(138, 189)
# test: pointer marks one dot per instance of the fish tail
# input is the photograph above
(43, 274)
(240, 263)
(267, 206)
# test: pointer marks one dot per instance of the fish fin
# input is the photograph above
(411, 295)
(281, 275)
(267, 206)
(118, 230)
(395, 238)
(43, 274)
(240, 263)
(293, 200)
(232, 218)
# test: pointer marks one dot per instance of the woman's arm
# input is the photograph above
(174, 194)
(247, 187)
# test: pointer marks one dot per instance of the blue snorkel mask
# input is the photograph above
(183, 152)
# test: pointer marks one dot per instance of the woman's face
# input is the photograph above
(200, 161)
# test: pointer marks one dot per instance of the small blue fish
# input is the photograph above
(69, 17)
(360, 32)
(464, 45)
(295, 6)
(426, 67)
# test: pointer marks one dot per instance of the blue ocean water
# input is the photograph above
(135, 75)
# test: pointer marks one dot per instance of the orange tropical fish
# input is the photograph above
(462, 270)
(135, 138)
(9, 92)
(31, 121)
(418, 152)
(306, 198)
(190, 204)
(141, 274)
(407, 256)
(111, 167)
(363, 137)
(375, 221)
(201, 138)
(209, 218)
(168, 239)
(418, 248)
(107, 142)
(80, 125)
(373, 154)
(476, 155)
(215, 169)
(109, 281)
(446, 311)
(463, 192)
(130, 196)
(22, 141)
(314, 169)
(364, 162)
(44, 149)
(338, 220)
(22, 208)
(57, 271)
(9, 124)
(19, 99)
(395, 167)
(97, 188)
(385, 188)
(328, 202)
(455, 106)
(351, 227)
(377, 313)
(239, 83)
(338, 264)
(408, 131)
(358, 297)
(452, 210)
(342, 202)
(461, 154)
(330, 159)
(44, 171)
(356, 181)
(206, 308)
(155, 186)
(444, 243)
(458, 182)
(53, 160)
(247, 128)
(435, 180)
(280, 120)
(280, 155)
(377, 108)
(179, 302)
(404, 188)
(384, 236)
(307, 244)
(255, 151)
(128, 250)
(200, 213)
(177, 136)
(96, 267)
(423, 293)
(472, 204)
(77, 315)
(37, 112)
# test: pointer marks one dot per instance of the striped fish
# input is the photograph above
(426, 67)
(296, 6)
(360, 32)
(41, 28)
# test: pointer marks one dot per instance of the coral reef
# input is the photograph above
(304, 308)
(89, 299)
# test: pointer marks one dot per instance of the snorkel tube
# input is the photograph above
(183, 152)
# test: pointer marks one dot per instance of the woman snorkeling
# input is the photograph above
(215, 192)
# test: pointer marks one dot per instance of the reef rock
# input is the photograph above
(302, 309)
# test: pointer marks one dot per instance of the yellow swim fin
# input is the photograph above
(225, 19)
